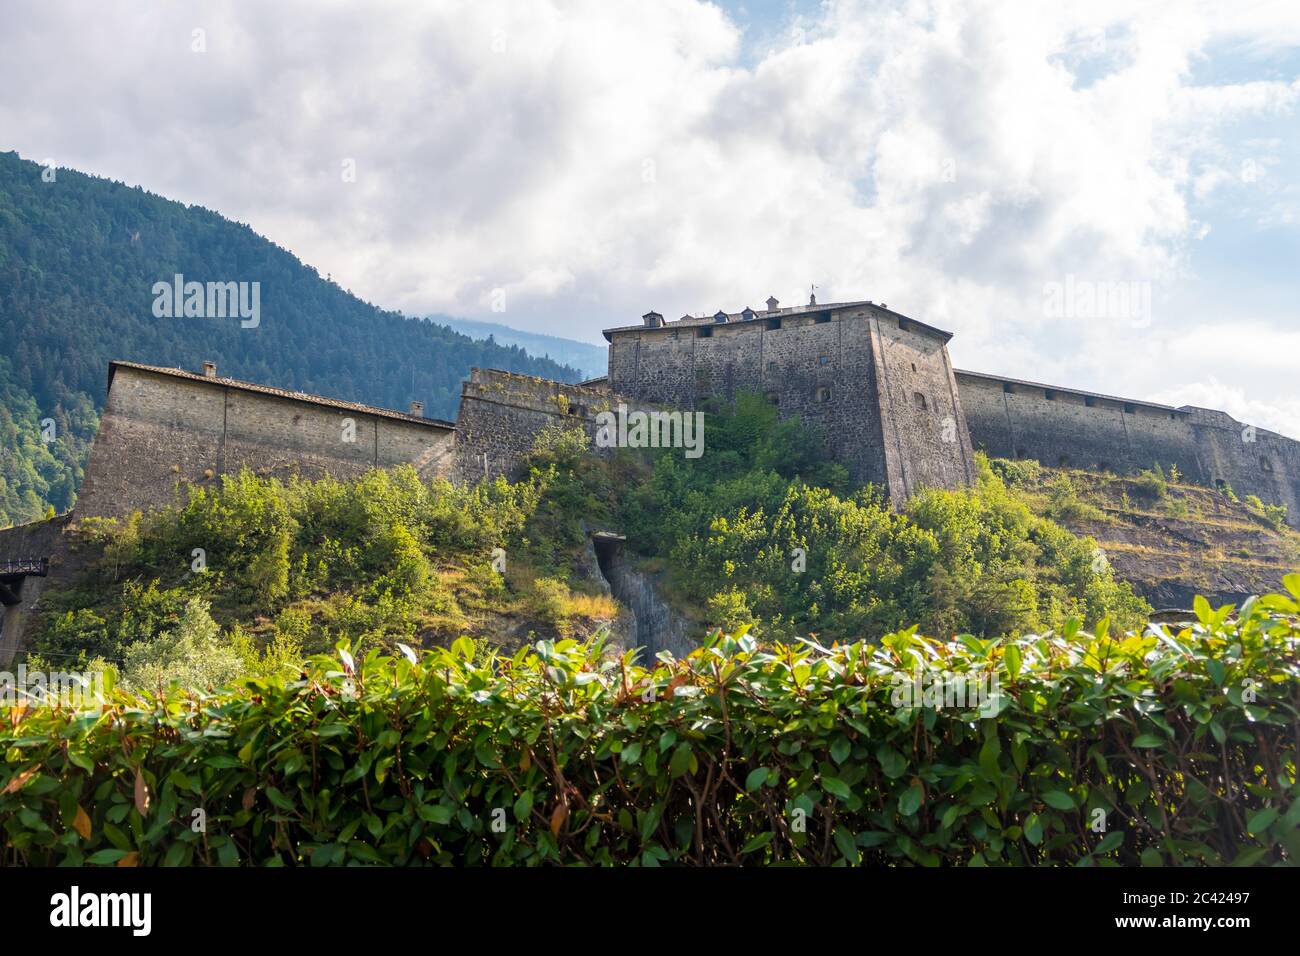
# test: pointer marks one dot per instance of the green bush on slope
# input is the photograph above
(1164, 748)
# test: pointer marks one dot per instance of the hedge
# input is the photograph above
(1162, 748)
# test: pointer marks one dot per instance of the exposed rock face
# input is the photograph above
(656, 626)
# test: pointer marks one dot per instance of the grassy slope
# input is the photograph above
(1188, 541)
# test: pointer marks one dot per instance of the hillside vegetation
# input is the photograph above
(290, 569)
(78, 260)
(1171, 539)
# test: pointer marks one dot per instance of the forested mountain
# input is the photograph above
(79, 257)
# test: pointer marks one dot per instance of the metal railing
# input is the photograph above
(38, 567)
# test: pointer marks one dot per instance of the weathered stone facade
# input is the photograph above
(502, 413)
(1063, 427)
(877, 385)
(163, 429)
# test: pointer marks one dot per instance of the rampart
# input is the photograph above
(878, 386)
(163, 429)
(502, 414)
(1064, 427)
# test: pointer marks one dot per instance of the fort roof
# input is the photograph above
(279, 393)
(740, 318)
(1185, 410)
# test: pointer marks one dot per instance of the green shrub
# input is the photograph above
(1064, 503)
(1017, 473)
(1151, 483)
(1162, 748)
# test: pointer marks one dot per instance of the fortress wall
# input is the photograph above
(1010, 419)
(502, 413)
(858, 428)
(1252, 461)
(1070, 429)
(925, 430)
(155, 432)
(160, 432)
(727, 361)
(655, 365)
(824, 366)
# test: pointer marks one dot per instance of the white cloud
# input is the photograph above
(595, 159)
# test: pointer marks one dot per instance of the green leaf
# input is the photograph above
(891, 761)
(1151, 857)
(910, 801)
(631, 753)
(846, 844)
(681, 760)
(758, 842)
(1033, 829)
(756, 779)
(1148, 740)
(434, 813)
(1110, 841)
(840, 749)
(524, 805)
(838, 787)
(1058, 799)
(1261, 821)
(1013, 660)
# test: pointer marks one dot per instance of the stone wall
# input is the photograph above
(162, 431)
(1063, 427)
(502, 413)
(878, 386)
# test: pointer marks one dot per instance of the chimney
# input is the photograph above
(772, 303)
(417, 409)
(209, 369)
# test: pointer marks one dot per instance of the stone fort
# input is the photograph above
(878, 387)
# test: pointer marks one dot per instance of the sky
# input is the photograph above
(1104, 195)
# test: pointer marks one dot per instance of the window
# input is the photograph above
(1089, 401)
(1064, 461)
(1008, 388)
(824, 360)
(1265, 465)
(822, 317)
(1130, 408)
(919, 400)
(703, 333)
(1049, 395)
(771, 367)
(773, 398)
(773, 324)
(913, 366)
(823, 394)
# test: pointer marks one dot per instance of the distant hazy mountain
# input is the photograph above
(591, 360)
(79, 259)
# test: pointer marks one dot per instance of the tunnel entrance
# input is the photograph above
(609, 552)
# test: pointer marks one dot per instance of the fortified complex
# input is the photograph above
(878, 387)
